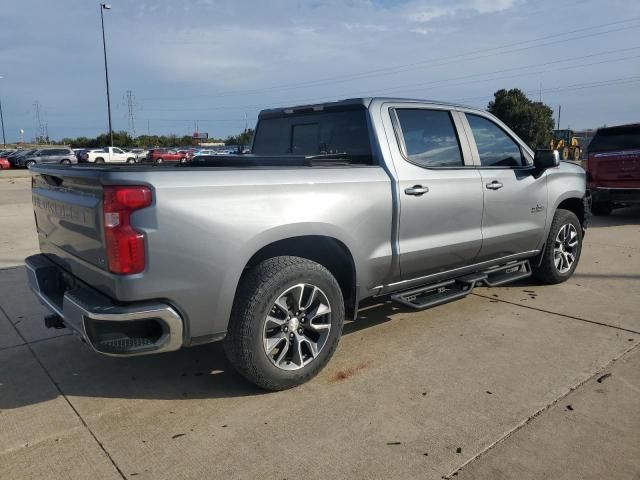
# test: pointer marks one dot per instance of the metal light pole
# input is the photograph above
(106, 6)
(4, 140)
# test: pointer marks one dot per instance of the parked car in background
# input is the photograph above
(162, 155)
(272, 259)
(613, 168)
(64, 156)
(139, 153)
(81, 154)
(12, 156)
(110, 155)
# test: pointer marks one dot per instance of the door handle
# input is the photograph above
(416, 190)
(495, 185)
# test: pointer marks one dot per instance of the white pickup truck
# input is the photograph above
(110, 155)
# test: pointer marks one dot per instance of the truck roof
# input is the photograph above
(349, 103)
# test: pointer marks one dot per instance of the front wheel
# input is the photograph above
(286, 322)
(562, 250)
(576, 154)
(29, 163)
(65, 162)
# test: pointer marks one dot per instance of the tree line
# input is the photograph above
(124, 140)
(532, 121)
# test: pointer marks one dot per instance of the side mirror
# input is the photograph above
(545, 159)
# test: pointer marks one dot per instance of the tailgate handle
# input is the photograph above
(52, 180)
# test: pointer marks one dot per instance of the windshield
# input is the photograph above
(316, 133)
(626, 137)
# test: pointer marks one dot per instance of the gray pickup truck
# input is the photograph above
(339, 202)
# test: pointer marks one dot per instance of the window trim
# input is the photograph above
(397, 128)
(525, 151)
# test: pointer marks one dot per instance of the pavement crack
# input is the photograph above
(594, 322)
(73, 408)
(539, 412)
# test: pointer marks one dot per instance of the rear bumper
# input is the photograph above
(615, 195)
(111, 328)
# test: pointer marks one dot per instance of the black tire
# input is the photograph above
(131, 160)
(159, 160)
(29, 163)
(65, 162)
(601, 208)
(547, 271)
(257, 292)
(99, 160)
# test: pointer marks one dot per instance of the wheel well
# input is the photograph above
(575, 205)
(327, 251)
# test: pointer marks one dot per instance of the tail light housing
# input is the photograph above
(124, 244)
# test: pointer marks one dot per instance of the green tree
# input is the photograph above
(531, 121)
(243, 139)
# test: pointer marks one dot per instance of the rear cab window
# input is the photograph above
(335, 131)
(611, 139)
(429, 138)
(495, 147)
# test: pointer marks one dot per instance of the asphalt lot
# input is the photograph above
(522, 382)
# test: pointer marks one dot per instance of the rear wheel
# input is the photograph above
(159, 160)
(65, 162)
(131, 160)
(99, 160)
(286, 322)
(565, 153)
(29, 163)
(562, 250)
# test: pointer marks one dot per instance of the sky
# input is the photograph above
(212, 65)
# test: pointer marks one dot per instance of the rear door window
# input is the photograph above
(495, 147)
(429, 137)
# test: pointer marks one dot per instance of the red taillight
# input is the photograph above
(125, 245)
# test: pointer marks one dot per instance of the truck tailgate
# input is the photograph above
(68, 211)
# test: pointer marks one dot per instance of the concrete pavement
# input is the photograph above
(479, 388)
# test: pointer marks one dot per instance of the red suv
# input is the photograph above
(166, 155)
(613, 168)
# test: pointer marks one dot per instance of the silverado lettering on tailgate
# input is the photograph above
(71, 213)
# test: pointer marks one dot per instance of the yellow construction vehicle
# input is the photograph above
(567, 144)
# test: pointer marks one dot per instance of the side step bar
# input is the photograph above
(450, 290)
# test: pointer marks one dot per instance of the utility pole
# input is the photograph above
(39, 125)
(4, 139)
(131, 99)
(559, 112)
(106, 6)
(540, 94)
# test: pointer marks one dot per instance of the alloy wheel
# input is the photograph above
(297, 326)
(566, 248)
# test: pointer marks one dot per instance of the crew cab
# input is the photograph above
(109, 155)
(339, 202)
(613, 168)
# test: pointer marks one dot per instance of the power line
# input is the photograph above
(434, 84)
(439, 61)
